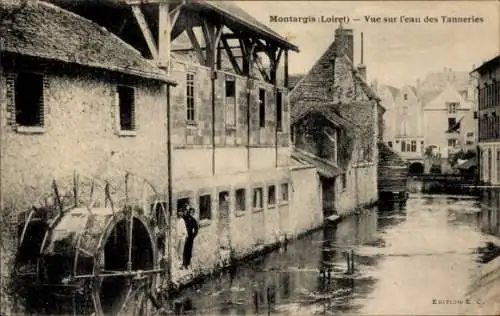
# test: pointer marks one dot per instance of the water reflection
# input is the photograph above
(403, 256)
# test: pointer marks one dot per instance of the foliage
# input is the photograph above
(463, 155)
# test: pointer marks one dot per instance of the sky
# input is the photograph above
(394, 53)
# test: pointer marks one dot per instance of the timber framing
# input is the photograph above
(212, 32)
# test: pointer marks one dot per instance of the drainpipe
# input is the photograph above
(248, 120)
(213, 77)
(169, 186)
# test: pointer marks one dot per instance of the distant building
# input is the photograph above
(448, 124)
(489, 120)
(436, 115)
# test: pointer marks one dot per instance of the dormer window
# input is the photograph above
(405, 97)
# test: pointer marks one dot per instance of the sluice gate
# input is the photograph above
(102, 259)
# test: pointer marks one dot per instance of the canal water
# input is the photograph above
(407, 260)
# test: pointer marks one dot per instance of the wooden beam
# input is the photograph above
(286, 69)
(146, 32)
(164, 31)
(231, 56)
(196, 45)
(174, 14)
(261, 68)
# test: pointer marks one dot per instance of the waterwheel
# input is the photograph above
(102, 256)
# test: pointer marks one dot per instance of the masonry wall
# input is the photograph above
(206, 162)
(80, 136)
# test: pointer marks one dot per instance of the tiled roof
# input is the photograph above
(387, 156)
(489, 63)
(323, 166)
(46, 31)
(329, 111)
(293, 80)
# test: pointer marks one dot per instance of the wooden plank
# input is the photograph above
(174, 14)
(196, 45)
(146, 32)
(231, 56)
(164, 30)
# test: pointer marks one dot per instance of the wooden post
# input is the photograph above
(164, 30)
(286, 69)
(146, 32)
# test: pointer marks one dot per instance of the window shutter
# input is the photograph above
(11, 102)
(41, 101)
(132, 109)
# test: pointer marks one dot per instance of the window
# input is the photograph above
(257, 198)
(284, 192)
(205, 207)
(389, 144)
(279, 111)
(405, 110)
(230, 102)
(451, 122)
(126, 108)
(240, 199)
(271, 195)
(405, 96)
(182, 203)
(404, 127)
(470, 134)
(452, 108)
(413, 146)
(262, 108)
(29, 99)
(403, 146)
(408, 147)
(190, 106)
(452, 142)
(344, 181)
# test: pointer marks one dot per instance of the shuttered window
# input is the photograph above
(29, 101)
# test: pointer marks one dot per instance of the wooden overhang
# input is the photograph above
(151, 25)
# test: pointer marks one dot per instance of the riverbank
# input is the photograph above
(387, 259)
(188, 279)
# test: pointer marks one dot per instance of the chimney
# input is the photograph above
(361, 66)
(344, 42)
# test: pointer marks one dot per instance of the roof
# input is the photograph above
(293, 80)
(46, 31)
(393, 90)
(324, 167)
(387, 156)
(237, 15)
(487, 64)
(428, 96)
(326, 110)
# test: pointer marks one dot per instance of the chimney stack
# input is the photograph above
(344, 42)
(361, 66)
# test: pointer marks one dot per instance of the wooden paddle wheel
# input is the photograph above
(95, 248)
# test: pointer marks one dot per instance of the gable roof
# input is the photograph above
(46, 31)
(393, 90)
(235, 14)
(428, 96)
(327, 111)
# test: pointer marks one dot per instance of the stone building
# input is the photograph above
(348, 106)
(447, 125)
(74, 99)
(488, 118)
(219, 140)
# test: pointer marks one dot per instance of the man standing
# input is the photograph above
(192, 231)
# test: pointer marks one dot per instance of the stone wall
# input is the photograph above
(79, 136)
